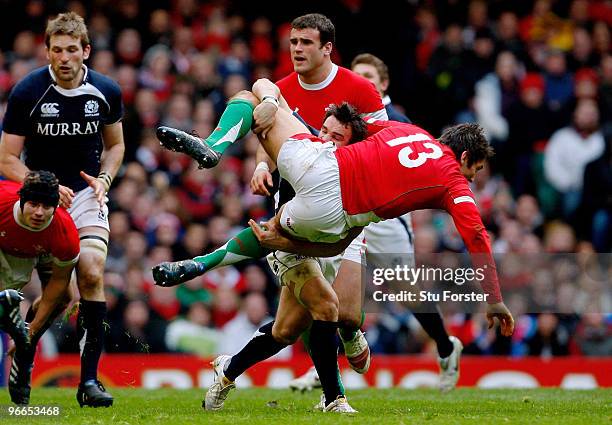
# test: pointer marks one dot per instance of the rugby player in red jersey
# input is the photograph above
(34, 230)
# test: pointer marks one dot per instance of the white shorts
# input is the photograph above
(394, 238)
(280, 261)
(16, 272)
(315, 213)
(86, 211)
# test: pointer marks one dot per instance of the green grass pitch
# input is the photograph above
(389, 406)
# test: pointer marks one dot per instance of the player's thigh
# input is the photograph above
(292, 318)
(285, 126)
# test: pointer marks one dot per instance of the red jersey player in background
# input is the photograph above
(33, 230)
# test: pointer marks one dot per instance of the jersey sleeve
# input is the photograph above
(369, 103)
(18, 108)
(66, 248)
(469, 224)
(115, 101)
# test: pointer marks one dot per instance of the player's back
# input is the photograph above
(399, 169)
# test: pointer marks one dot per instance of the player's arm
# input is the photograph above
(270, 235)
(262, 177)
(112, 156)
(469, 224)
(11, 166)
(55, 293)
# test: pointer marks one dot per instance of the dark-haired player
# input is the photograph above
(33, 230)
(66, 118)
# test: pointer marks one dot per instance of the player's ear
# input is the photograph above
(327, 48)
(86, 51)
(384, 85)
(464, 158)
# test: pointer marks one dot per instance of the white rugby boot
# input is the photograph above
(340, 405)
(217, 392)
(449, 366)
(357, 352)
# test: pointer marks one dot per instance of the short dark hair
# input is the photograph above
(468, 138)
(321, 23)
(375, 61)
(346, 114)
(40, 186)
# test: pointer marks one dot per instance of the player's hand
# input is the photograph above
(264, 115)
(97, 186)
(503, 315)
(261, 180)
(66, 196)
(269, 235)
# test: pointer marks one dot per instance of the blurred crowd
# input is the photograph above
(537, 75)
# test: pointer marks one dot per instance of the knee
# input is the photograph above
(326, 308)
(246, 95)
(284, 334)
(89, 275)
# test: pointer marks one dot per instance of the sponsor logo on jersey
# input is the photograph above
(67, 128)
(91, 108)
(49, 110)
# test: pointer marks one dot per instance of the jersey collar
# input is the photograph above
(326, 82)
(16, 210)
(85, 74)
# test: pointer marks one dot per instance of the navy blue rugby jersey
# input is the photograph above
(63, 128)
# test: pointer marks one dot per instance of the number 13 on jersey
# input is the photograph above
(404, 154)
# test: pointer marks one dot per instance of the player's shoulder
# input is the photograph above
(9, 188)
(105, 84)
(345, 74)
(33, 83)
(289, 80)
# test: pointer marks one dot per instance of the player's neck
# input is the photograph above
(317, 75)
(74, 83)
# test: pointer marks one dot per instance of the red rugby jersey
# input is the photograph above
(342, 85)
(59, 238)
(402, 168)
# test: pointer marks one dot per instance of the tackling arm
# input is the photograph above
(270, 235)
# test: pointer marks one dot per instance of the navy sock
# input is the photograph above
(434, 326)
(261, 347)
(324, 353)
(90, 323)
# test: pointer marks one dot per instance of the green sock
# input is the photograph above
(234, 123)
(243, 246)
(1, 312)
(347, 333)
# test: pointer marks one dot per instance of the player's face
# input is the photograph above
(370, 73)
(66, 56)
(334, 131)
(36, 214)
(307, 53)
(469, 171)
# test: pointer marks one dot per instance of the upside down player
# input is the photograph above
(333, 200)
(33, 230)
(66, 118)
